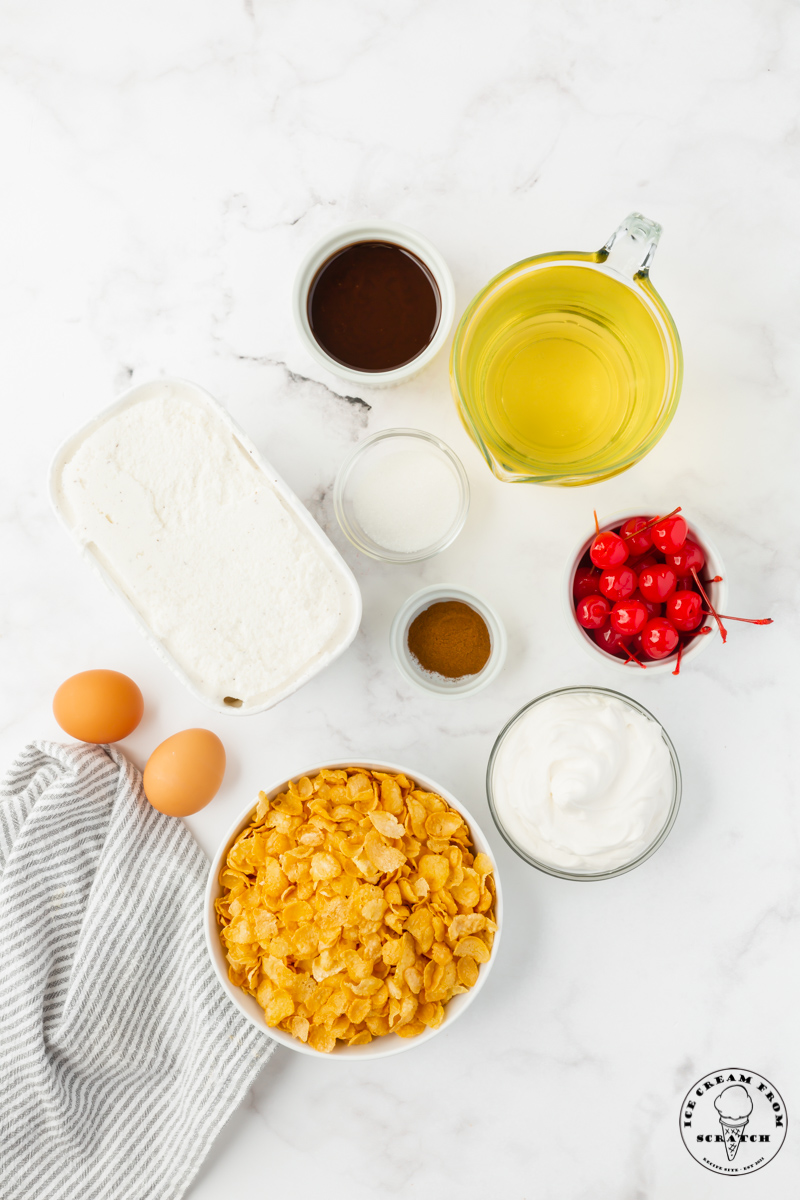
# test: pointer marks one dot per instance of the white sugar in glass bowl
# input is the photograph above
(717, 591)
(374, 231)
(248, 1006)
(384, 487)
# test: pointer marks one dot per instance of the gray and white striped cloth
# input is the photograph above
(120, 1056)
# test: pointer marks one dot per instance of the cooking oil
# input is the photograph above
(561, 371)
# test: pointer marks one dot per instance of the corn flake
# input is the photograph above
(353, 906)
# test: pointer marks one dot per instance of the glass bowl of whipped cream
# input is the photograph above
(584, 783)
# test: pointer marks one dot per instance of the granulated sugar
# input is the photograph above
(407, 501)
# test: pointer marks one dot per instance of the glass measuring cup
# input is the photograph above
(567, 367)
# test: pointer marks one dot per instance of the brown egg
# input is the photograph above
(98, 706)
(185, 772)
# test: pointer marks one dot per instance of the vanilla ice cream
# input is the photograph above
(189, 526)
(583, 782)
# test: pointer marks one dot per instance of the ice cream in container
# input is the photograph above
(228, 576)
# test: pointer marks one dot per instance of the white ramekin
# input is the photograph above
(424, 680)
(390, 1044)
(717, 591)
(373, 231)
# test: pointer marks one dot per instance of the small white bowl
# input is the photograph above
(374, 231)
(424, 680)
(370, 451)
(381, 1047)
(717, 591)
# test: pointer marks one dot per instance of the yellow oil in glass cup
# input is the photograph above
(567, 367)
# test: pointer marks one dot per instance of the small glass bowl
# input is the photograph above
(438, 684)
(587, 876)
(371, 451)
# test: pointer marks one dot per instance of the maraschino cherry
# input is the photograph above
(636, 532)
(647, 560)
(628, 617)
(653, 609)
(612, 642)
(670, 534)
(689, 558)
(618, 583)
(592, 612)
(586, 582)
(608, 550)
(685, 610)
(659, 638)
(657, 583)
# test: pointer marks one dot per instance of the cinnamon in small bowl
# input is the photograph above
(451, 639)
(448, 641)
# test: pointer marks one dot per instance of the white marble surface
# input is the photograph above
(165, 167)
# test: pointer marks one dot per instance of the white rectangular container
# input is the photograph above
(349, 594)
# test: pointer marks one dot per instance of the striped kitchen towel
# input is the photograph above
(121, 1058)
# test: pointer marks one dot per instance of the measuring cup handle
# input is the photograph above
(630, 249)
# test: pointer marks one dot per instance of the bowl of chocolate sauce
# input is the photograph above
(374, 302)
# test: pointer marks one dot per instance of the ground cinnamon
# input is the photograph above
(450, 639)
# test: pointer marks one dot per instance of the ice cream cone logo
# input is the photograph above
(734, 1106)
(733, 1121)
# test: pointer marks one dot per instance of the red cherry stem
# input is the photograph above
(695, 633)
(632, 658)
(723, 631)
(596, 522)
(650, 524)
(747, 620)
(677, 670)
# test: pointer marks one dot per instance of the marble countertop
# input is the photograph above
(166, 167)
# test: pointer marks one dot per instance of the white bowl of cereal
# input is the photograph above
(343, 935)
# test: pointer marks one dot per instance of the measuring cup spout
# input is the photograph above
(630, 249)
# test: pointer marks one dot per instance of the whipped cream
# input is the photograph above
(583, 782)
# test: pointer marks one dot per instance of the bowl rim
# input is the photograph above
(423, 599)
(362, 450)
(562, 872)
(390, 1044)
(370, 230)
(661, 666)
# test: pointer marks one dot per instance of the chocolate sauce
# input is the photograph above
(373, 306)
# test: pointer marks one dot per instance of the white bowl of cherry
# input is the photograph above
(641, 592)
